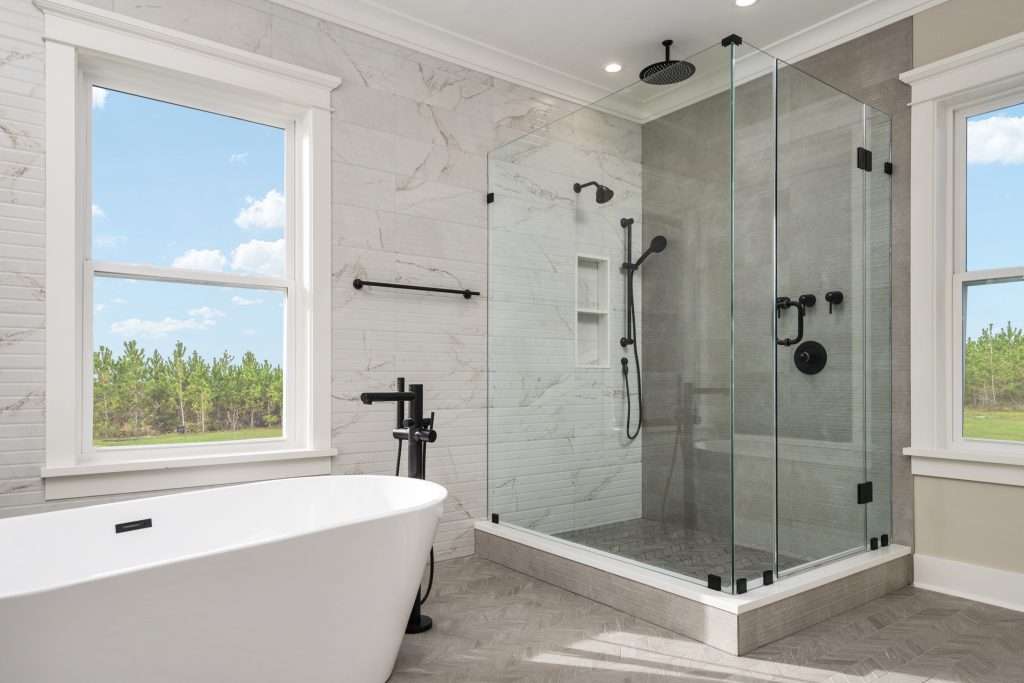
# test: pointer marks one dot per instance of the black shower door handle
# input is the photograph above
(781, 304)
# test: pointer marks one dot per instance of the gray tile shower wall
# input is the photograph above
(411, 134)
(686, 463)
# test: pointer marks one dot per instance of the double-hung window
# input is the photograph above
(188, 260)
(989, 273)
(967, 265)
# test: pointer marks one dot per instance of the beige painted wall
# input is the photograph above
(959, 25)
(970, 522)
(965, 520)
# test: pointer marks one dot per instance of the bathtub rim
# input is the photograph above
(185, 557)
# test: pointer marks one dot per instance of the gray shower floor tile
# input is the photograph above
(677, 548)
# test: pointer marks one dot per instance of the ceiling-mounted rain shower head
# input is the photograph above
(669, 71)
(603, 195)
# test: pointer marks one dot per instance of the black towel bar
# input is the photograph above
(467, 293)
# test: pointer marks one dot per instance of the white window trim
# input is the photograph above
(944, 94)
(83, 43)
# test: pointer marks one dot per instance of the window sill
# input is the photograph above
(983, 466)
(136, 476)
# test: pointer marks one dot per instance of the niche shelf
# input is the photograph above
(591, 311)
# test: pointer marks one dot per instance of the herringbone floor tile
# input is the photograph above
(493, 625)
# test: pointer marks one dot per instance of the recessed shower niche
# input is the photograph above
(591, 311)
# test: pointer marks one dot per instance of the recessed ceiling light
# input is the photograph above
(613, 68)
(745, 3)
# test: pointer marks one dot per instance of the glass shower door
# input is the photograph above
(821, 312)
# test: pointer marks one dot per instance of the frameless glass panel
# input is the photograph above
(180, 363)
(878, 324)
(753, 297)
(995, 173)
(564, 454)
(687, 331)
(993, 363)
(184, 188)
(821, 345)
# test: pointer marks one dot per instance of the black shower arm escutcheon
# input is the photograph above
(781, 304)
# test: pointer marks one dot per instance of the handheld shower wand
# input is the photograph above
(658, 245)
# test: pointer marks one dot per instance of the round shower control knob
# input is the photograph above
(810, 357)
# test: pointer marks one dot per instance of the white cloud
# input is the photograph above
(249, 332)
(262, 214)
(200, 259)
(996, 140)
(99, 97)
(242, 301)
(139, 329)
(97, 212)
(118, 300)
(100, 307)
(259, 257)
(202, 318)
(238, 158)
(206, 313)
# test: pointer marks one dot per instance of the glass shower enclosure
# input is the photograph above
(754, 362)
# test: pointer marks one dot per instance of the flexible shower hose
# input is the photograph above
(631, 334)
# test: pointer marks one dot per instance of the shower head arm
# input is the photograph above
(577, 187)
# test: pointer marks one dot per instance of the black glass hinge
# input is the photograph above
(731, 39)
(885, 540)
(741, 586)
(873, 543)
(494, 517)
(490, 197)
(864, 159)
(714, 582)
(865, 493)
(767, 578)
(888, 168)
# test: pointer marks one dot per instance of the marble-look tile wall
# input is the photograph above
(559, 457)
(411, 134)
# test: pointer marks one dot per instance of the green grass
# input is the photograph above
(1000, 425)
(192, 437)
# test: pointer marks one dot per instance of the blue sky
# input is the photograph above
(177, 187)
(995, 215)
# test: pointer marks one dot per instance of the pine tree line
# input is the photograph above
(135, 394)
(994, 369)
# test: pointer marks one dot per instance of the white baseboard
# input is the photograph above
(974, 582)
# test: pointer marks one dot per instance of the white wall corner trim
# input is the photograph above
(974, 582)
(382, 22)
(944, 94)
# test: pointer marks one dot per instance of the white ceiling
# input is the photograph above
(561, 46)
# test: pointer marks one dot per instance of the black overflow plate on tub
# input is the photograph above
(810, 357)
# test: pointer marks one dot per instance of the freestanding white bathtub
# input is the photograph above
(296, 580)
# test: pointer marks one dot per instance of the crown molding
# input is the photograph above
(373, 18)
(993, 64)
(376, 20)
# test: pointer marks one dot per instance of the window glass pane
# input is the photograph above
(994, 361)
(179, 187)
(183, 363)
(995, 176)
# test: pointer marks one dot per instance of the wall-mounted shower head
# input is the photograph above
(669, 71)
(603, 195)
(658, 245)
